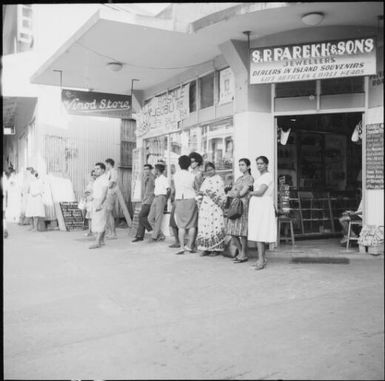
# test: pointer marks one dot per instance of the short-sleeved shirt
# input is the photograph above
(266, 179)
(161, 185)
(149, 187)
(242, 181)
(112, 176)
(99, 186)
(198, 178)
(184, 185)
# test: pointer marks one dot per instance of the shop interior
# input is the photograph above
(319, 170)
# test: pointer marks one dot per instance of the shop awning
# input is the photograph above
(154, 50)
(17, 113)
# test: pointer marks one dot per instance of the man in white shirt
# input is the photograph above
(99, 195)
(112, 175)
(161, 192)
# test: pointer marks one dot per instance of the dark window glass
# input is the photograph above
(342, 85)
(206, 87)
(295, 89)
(193, 96)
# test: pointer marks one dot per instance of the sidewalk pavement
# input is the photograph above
(137, 311)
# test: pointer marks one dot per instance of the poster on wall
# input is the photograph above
(316, 60)
(162, 113)
(136, 185)
(375, 156)
(226, 86)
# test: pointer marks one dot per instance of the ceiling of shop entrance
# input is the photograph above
(154, 54)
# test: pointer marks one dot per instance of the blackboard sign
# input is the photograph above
(375, 156)
(72, 215)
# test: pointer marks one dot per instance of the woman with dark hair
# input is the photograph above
(237, 228)
(196, 163)
(186, 211)
(211, 224)
(262, 222)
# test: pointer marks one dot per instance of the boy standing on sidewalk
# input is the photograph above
(161, 192)
(148, 197)
(99, 195)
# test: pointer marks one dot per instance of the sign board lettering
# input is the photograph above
(316, 60)
(72, 215)
(96, 104)
(375, 156)
(163, 112)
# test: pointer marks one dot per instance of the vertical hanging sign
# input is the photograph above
(375, 156)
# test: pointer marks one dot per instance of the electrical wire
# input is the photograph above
(140, 66)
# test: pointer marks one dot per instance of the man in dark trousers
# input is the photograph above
(148, 197)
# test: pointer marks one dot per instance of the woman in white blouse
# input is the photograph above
(262, 221)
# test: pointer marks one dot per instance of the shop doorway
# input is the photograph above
(319, 171)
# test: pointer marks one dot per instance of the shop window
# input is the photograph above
(295, 89)
(156, 150)
(206, 90)
(342, 85)
(217, 144)
(193, 96)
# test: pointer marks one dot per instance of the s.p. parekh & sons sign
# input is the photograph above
(310, 61)
(96, 104)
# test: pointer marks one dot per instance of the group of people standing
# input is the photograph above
(23, 197)
(200, 217)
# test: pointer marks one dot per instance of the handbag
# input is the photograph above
(236, 209)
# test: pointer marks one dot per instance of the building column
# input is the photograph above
(253, 120)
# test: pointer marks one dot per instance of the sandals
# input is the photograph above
(240, 260)
(214, 253)
(180, 252)
(260, 266)
(186, 248)
(205, 253)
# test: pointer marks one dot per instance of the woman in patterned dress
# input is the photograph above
(237, 228)
(211, 223)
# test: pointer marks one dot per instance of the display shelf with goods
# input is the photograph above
(310, 212)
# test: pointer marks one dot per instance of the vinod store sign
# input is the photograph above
(319, 60)
(96, 104)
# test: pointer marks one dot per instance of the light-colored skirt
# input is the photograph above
(35, 206)
(262, 220)
(186, 213)
(99, 219)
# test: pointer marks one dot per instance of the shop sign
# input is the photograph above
(226, 86)
(163, 113)
(91, 103)
(311, 61)
(375, 156)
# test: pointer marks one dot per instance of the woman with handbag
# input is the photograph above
(211, 224)
(238, 200)
(262, 220)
